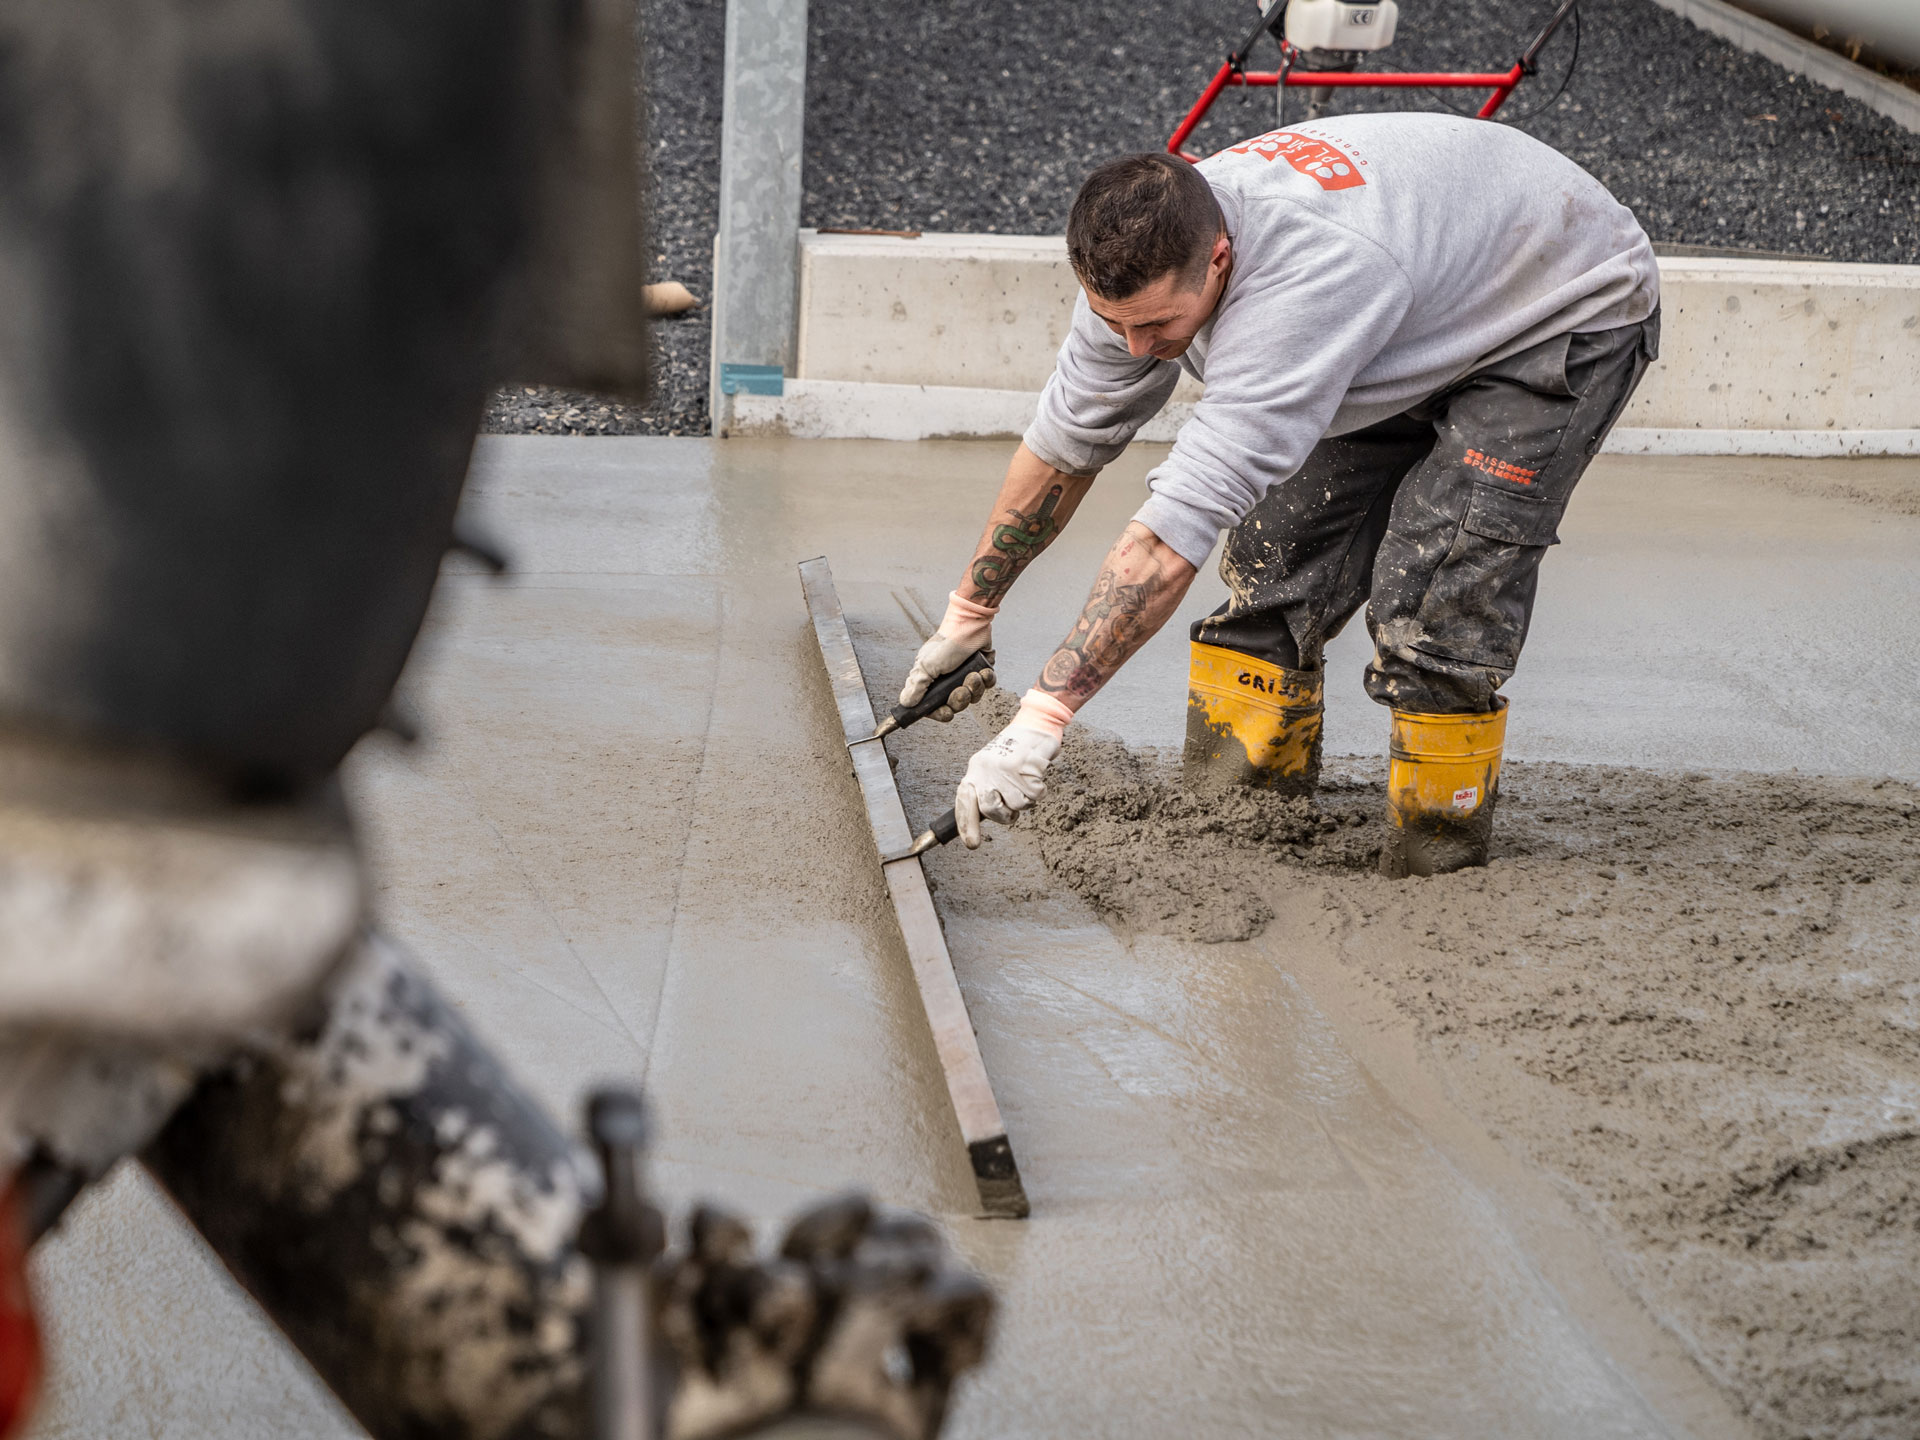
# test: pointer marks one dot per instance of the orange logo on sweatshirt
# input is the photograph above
(1332, 168)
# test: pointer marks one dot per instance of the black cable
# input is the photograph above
(1573, 62)
(1284, 65)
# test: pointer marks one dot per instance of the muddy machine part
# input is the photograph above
(401, 1208)
(989, 1150)
(623, 1238)
(261, 264)
(856, 1330)
(438, 1252)
(262, 260)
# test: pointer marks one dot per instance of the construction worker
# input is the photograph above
(1414, 332)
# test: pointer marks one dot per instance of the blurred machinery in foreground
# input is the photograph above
(263, 260)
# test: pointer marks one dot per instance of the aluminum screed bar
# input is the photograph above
(985, 1133)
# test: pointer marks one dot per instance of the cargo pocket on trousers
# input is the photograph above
(1478, 602)
(1513, 516)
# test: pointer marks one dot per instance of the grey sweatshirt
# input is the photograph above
(1376, 259)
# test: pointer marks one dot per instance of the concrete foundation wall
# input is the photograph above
(952, 335)
(980, 311)
(1759, 344)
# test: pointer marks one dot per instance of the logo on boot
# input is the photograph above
(1466, 798)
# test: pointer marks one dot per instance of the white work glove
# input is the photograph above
(1009, 773)
(968, 627)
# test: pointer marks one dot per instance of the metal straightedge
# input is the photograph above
(991, 1154)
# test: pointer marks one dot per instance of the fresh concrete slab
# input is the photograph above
(629, 844)
(147, 1336)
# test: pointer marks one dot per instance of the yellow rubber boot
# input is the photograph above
(1443, 779)
(1250, 723)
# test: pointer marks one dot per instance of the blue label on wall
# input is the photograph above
(751, 379)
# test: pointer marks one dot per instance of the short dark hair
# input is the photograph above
(1136, 219)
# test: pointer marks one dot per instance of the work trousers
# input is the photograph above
(1436, 519)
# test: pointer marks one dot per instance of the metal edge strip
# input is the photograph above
(989, 1152)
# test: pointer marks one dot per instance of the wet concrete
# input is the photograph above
(1689, 999)
(629, 844)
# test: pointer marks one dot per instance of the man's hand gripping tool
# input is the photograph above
(939, 694)
(975, 672)
(939, 833)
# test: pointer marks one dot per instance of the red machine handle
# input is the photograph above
(1199, 111)
(1502, 84)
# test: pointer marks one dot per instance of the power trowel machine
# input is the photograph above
(1323, 45)
(262, 266)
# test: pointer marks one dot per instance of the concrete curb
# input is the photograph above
(861, 410)
(1802, 444)
(872, 410)
(1762, 37)
(953, 335)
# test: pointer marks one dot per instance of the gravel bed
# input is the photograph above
(685, 42)
(985, 117)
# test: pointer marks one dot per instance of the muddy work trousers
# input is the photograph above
(1436, 519)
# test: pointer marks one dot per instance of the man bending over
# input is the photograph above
(1414, 332)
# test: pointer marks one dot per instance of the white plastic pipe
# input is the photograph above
(1891, 27)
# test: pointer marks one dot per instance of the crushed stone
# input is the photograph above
(1691, 998)
(683, 44)
(987, 116)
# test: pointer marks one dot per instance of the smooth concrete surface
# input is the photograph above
(629, 845)
(1747, 345)
(148, 1337)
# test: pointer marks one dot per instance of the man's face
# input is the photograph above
(1162, 319)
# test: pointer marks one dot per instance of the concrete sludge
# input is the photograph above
(1688, 998)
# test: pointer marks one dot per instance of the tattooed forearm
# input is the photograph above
(1015, 537)
(1033, 507)
(1140, 585)
(1110, 628)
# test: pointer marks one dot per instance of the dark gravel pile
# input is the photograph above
(684, 42)
(986, 117)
